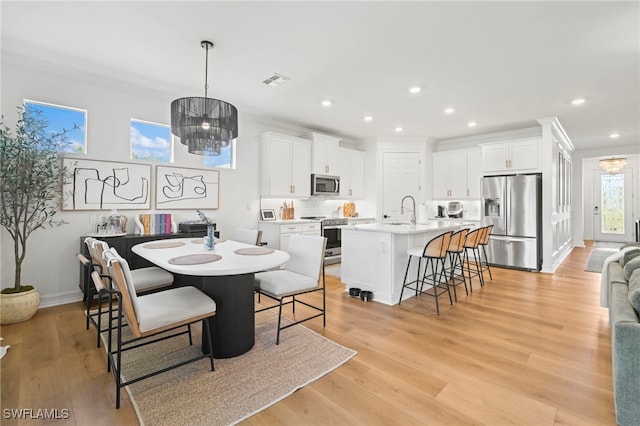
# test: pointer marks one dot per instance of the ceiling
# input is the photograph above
(501, 64)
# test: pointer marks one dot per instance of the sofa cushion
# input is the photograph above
(634, 290)
(631, 266)
(628, 255)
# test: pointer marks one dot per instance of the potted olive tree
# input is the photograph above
(31, 173)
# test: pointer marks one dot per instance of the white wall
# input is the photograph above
(51, 264)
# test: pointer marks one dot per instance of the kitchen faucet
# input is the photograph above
(413, 212)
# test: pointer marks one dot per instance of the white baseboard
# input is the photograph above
(60, 298)
(558, 261)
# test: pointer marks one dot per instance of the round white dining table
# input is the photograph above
(226, 274)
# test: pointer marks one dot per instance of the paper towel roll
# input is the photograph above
(422, 214)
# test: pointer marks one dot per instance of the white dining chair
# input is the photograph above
(247, 236)
(151, 314)
(302, 274)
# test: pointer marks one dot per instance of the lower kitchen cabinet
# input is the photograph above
(278, 233)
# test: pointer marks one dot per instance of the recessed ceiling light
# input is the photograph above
(415, 89)
(578, 101)
(472, 124)
(368, 118)
(614, 135)
(326, 103)
(398, 129)
(449, 110)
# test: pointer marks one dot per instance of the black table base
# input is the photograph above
(232, 329)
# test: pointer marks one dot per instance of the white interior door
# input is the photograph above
(401, 176)
(613, 206)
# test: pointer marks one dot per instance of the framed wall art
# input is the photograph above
(184, 188)
(105, 185)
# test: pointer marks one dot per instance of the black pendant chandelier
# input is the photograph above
(204, 125)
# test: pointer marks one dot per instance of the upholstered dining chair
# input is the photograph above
(434, 253)
(247, 236)
(144, 279)
(302, 274)
(151, 314)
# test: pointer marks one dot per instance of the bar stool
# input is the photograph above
(456, 268)
(473, 267)
(435, 254)
(484, 241)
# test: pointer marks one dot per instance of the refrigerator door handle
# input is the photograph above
(510, 239)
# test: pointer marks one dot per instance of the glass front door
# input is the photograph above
(612, 210)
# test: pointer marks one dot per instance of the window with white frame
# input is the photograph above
(61, 119)
(151, 141)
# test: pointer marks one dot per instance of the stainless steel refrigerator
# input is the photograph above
(513, 204)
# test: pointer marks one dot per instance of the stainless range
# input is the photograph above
(332, 231)
(330, 228)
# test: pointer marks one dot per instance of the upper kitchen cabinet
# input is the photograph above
(351, 173)
(518, 156)
(325, 154)
(457, 174)
(286, 166)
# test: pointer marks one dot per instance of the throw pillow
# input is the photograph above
(634, 290)
(628, 255)
(631, 266)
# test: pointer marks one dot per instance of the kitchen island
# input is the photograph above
(374, 255)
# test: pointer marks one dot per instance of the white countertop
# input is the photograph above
(431, 226)
(289, 221)
(230, 263)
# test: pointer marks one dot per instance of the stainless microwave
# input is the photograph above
(325, 185)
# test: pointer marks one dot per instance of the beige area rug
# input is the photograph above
(239, 387)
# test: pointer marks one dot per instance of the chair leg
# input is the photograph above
(464, 280)
(404, 283)
(89, 296)
(117, 367)
(434, 273)
(324, 299)
(452, 265)
(478, 265)
(486, 261)
(205, 329)
(279, 320)
(443, 277)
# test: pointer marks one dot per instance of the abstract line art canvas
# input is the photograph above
(106, 185)
(185, 188)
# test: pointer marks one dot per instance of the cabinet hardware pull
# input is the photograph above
(294, 189)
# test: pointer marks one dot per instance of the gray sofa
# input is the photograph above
(624, 306)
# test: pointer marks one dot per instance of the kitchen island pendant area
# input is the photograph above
(374, 256)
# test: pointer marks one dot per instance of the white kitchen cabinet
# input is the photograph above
(286, 166)
(512, 157)
(351, 173)
(456, 174)
(325, 154)
(277, 234)
(474, 173)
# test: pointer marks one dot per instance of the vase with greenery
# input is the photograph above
(31, 173)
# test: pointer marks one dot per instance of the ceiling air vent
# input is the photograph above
(276, 80)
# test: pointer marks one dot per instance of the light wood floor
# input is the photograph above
(526, 349)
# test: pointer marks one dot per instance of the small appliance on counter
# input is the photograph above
(442, 212)
(454, 209)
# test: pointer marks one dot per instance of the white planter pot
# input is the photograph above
(18, 307)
